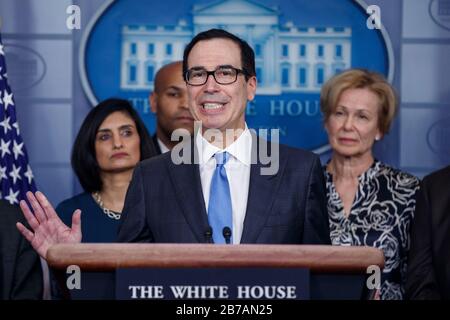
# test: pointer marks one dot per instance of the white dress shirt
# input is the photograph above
(238, 174)
(162, 146)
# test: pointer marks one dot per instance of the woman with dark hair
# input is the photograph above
(111, 141)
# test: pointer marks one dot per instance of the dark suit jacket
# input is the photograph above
(429, 258)
(155, 142)
(20, 267)
(165, 204)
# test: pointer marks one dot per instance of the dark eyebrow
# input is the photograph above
(103, 130)
(197, 68)
(173, 88)
(125, 126)
(223, 66)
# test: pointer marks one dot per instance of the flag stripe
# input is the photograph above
(16, 177)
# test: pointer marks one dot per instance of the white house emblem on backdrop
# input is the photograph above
(298, 45)
(289, 58)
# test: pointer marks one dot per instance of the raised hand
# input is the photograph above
(47, 227)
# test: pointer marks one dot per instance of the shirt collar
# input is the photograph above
(240, 149)
(162, 146)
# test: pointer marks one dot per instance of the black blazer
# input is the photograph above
(20, 267)
(155, 142)
(165, 204)
(429, 258)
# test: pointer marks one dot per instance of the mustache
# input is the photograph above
(213, 97)
(185, 114)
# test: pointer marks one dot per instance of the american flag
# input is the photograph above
(16, 177)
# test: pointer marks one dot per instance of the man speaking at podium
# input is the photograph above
(225, 196)
(222, 191)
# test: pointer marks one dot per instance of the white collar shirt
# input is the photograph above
(162, 146)
(238, 174)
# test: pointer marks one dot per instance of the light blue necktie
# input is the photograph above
(220, 213)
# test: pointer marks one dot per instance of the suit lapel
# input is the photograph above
(262, 191)
(155, 142)
(188, 192)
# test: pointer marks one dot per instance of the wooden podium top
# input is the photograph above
(318, 258)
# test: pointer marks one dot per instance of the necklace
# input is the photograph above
(111, 214)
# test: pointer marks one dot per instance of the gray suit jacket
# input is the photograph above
(165, 204)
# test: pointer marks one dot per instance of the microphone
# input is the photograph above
(227, 234)
(208, 235)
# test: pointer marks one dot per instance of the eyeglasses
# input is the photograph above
(222, 75)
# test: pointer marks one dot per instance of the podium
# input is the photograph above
(335, 272)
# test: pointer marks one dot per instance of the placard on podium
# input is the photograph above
(334, 272)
